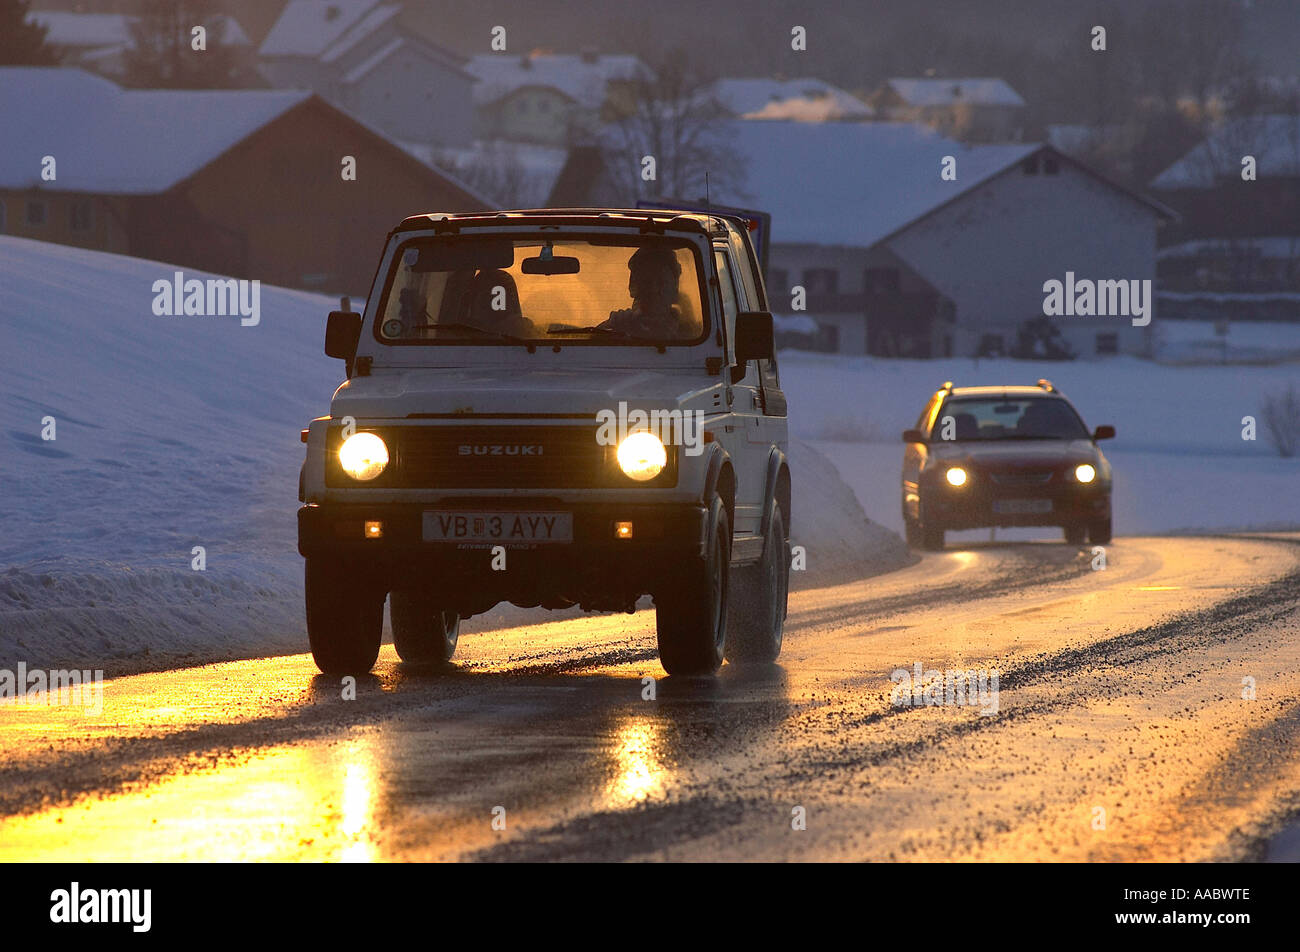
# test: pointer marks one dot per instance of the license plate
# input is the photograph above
(1020, 507)
(529, 527)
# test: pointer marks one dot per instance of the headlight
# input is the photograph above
(363, 456)
(956, 476)
(642, 456)
(1084, 473)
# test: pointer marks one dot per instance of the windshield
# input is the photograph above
(1031, 418)
(596, 290)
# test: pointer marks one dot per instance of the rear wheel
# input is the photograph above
(756, 625)
(1075, 535)
(422, 632)
(691, 613)
(1099, 531)
(345, 617)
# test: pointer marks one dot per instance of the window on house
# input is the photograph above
(36, 213)
(81, 216)
(880, 280)
(1030, 165)
(1108, 343)
(821, 280)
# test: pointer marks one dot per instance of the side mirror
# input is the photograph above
(913, 436)
(342, 331)
(1104, 433)
(755, 339)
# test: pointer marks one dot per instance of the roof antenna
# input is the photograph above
(707, 205)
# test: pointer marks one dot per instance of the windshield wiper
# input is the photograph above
(495, 335)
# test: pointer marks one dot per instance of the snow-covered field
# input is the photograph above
(1179, 458)
(177, 432)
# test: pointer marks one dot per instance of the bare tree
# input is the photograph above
(667, 131)
(1281, 415)
(163, 56)
(496, 171)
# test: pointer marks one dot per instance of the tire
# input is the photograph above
(759, 594)
(1074, 535)
(691, 616)
(911, 532)
(925, 536)
(422, 633)
(1099, 531)
(931, 539)
(345, 618)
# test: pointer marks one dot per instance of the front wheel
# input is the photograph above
(1099, 531)
(758, 606)
(1074, 535)
(691, 611)
(345, 617)
(422, 632)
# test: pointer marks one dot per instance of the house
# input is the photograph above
(972, 110)
(1235, 254)
(358, 55)
(894, 259)
(804, 100)
(102, 41)
(244, 183)
(548, 98)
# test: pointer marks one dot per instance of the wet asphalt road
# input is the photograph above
(1120, 733)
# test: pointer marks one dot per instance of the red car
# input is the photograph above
(1004, 456)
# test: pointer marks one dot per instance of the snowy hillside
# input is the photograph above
(176, 432)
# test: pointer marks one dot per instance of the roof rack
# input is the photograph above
(1046, 385)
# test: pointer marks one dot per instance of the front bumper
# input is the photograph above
(978, 506)
(596, 562)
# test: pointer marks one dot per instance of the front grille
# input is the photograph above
(1028, 477)
(504, 457)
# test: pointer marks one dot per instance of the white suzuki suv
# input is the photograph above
(553, 408)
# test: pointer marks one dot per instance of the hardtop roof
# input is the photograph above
(677, 219)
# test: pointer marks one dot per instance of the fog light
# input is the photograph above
(374, 530)
(622, 530)
(956, 476)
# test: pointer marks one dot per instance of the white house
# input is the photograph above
(547, 98)
(981, 109)
(357, 55)
(894, 256)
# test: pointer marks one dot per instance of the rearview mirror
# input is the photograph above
(913, 436)
(755, 339)
(556, 264)
(1104, 433)
(342, 331)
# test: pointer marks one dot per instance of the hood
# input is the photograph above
(511, 391)
(1027, 453)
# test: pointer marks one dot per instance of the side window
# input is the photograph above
(731, 306)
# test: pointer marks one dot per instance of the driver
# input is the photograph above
(653, 276)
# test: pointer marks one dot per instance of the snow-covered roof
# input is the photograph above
(97, 30)
(372, 21)
(807, 100)
(373, 60)
(951, 92)
(123, 141)
(853, 183)
(1279, 247)
(310, 27)
(581, 78)
(1273, 140)
(83, 29)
